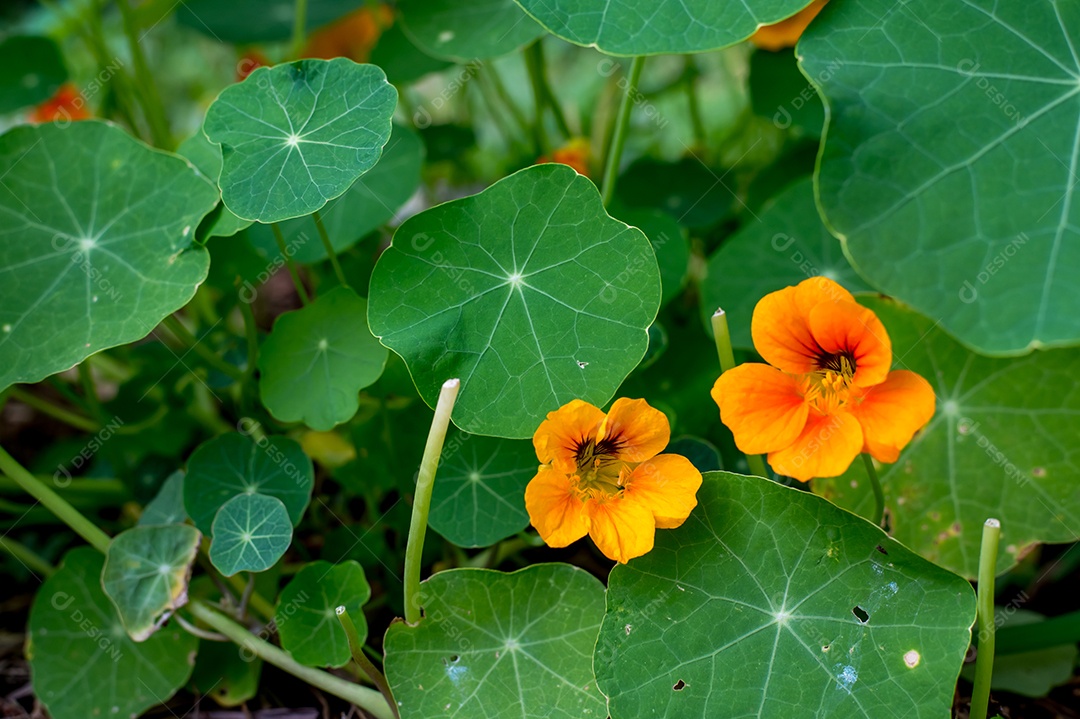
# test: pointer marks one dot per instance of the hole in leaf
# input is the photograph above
(882, 550)
(679, 685)
(860, 614)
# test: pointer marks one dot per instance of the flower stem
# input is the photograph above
(330, 252)
(153, 108)
(425, 481)
(299, 28)
(722, 335)
(534, 62)
(27, 557)
(195, 344)
(86, 377)
(59, 413)
(251, 335)
(293, 272)
(54, 502)
(618, 134)
(689, 78)
(879, 494)
(367, 699)
(362, 660)
(984, 660)
(504, 96)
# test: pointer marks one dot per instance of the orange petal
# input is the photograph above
(849, 328)
(761, 406)
(637, 430)
(622, 528)
(668, 486)
(555, 509)
(787, 32)
(892, 412)
(781, 324)
(825, 448)
(557, 438)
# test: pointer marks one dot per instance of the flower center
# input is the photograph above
(598, 467)
(827, 387)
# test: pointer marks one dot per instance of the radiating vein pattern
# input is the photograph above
(771, 603)
(977, 105)
(528, 290)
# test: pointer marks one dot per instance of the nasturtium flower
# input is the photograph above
(603, 475)
(574, 153)
(827, 393)
(67, 104)
(786, 33)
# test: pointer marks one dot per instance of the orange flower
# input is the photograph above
(787, 32)
(249, 62)
(67, 104)
(574, 153)
(602, 476)
(353, 36)
(828, 393)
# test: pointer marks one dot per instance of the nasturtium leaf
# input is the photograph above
(1002, 444)
(1034, 673)
(167, 507)
(788, 244)
(306, 615)
(252, 21)
(146, 574)
(972, 223)
(477, 30)
(497, 645)
(297, 135)
(479, 492)
(206, 156)
(250, 533)
(33, 70)
(528, 292)
(670, 245)
(95, 246)
(779, 92)
(771, 602)
(627, 27)
(234, 464)
(82, 662)
(702, 453)
(226, 673)
(317, 359)
(401, 60)
(694, 194)
(370, 202)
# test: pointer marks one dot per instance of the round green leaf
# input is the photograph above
(317, 359)
(788, 244)
(670, 245)
(1034, 673)
(687, 190)
(786, 607)
(227, 673)
(306, 615)
(479, 492)
(626, 27)
(82, 662)
(1002, 444)
(499, 645)
(33, 70)
(781, 93)
(973, 222)
(96, 243)
(167, 507)
(250, 21)
(401, 60)
(250, 533)
(528, 292)
(234, 464)
(206, 157)
(297, 135)
(477, 30)
(370, 202)
(146, 574)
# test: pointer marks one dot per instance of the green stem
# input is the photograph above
(299, 28)
(325, 237)
(255, 600)
(879, 494)
(293, 271)
(59, 413)
(984, 660)
(549, 96)
(425, 481)
(504, 96)
(86, 377)
(367, 699)
(151, 99)
(1053, 632)
(251, 334)
(54, 502)
(362, 660)
(690, 75)
(618, 134)
(722, 335)
(534, 63)
(29, 558)
(491, 99)
(195, 344)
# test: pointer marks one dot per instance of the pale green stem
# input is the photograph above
(54, 502)
(59, 413)
(325, 237)
(195, 344)
(425, 481)
(299, 28)
(367, 699)
(722, 335)
(618, 134)
(361, 659)
(984, 660)
(293, 271)
(86, 377)
(533, 64)
(27, 556)
(875, 484)
(151, 99)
